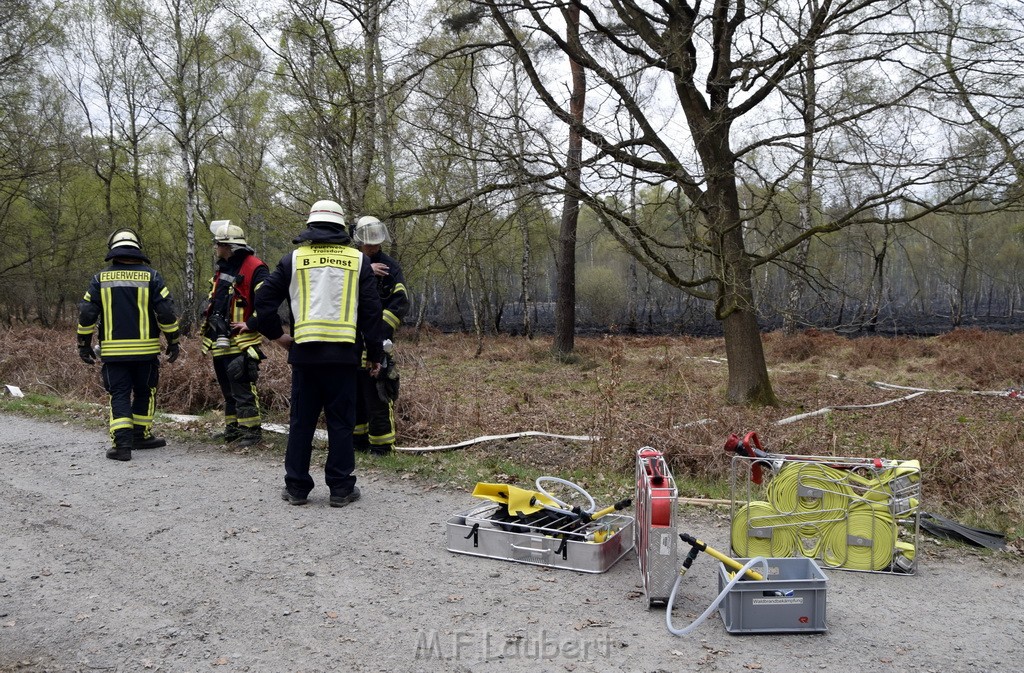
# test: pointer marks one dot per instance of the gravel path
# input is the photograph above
(186, 559)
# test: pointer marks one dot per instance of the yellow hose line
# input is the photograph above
(865, 540)
(733, 563)
(809, 543)
(810, 492)
(845, 518)
(759, 530)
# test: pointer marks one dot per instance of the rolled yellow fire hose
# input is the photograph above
(810, 492)
(865, 540)
(843, 518)
(759, 530)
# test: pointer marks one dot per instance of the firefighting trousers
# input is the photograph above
(237, 375)
(375, 418)
(331, 389)
(132, 390)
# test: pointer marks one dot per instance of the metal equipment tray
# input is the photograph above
(543, 538)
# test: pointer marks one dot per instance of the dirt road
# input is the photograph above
(186, 559)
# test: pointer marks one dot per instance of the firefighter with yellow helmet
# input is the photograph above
(129, 306)
(229, 332)
(332, 294)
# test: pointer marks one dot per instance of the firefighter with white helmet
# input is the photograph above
(129, 306)
(229, 332)
(375, 415)
(333, 299)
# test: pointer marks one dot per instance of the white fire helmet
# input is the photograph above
(124, 238)
(370, 231)
(225, 232)
(326, 211)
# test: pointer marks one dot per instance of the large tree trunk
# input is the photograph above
(734, 307)
(565, 301)
(748, 372)
(748, 375)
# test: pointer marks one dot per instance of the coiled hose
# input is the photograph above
(844, 519)
(570, 484)
(864, 540)
(831, 494)
(759, 530)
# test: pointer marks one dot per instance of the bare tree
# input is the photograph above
(105, 73)
(565, 298)
(179, 42)
(333, 70)
(725, 64)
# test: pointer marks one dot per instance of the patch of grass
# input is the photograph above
(52, 408)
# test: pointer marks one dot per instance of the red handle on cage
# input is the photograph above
(749, 446)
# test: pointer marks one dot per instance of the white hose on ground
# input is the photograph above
(714, 604)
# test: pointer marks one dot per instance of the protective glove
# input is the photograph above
(85, 350)
(173, 350)
(388, 382)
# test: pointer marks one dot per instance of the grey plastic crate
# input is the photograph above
(790, 600)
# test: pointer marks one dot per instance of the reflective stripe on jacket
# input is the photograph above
(131, 306)
(241, 289)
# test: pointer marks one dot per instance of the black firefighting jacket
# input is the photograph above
(129, 305)
(393, 293)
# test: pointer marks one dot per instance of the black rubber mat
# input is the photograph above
(952, 530)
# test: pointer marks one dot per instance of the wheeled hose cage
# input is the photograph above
(655, 531)
(858, 514)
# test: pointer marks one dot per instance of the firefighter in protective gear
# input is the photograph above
(129, 305)
(375, 413)
(333, 300)
(229, 332)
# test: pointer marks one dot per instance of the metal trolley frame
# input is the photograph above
(656, 537)
(859, 514)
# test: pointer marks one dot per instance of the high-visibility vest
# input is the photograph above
(324, 291)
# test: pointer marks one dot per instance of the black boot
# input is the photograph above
(119, 453)
(248, 436)
(143, 438)
(122, 448)
(230, 434)
(381, 449)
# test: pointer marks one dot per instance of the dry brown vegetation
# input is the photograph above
(666, 392)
